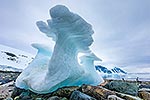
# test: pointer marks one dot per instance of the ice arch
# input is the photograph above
(72, 35)
(87, 62)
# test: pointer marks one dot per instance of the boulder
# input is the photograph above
(38, 99)
(64, 98)
(25, 96)
(16, 92)
(77, 95)
(114, 97)
(127, 97)
(20, 94)
(54, 98)
(97, 92)
(9, 98)
(144, 86)
(144, 95)
(4, 92)
(65, 91)
(123, 87)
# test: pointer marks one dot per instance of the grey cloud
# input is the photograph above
(122, 33)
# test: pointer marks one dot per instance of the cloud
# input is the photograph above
(123, 39)
(122, 33)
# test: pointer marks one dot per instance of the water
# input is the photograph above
(129, 76)
(140, 76)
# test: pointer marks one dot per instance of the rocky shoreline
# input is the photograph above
(109, 90)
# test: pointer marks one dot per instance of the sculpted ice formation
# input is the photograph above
(90, 75)
(37, 67)
(72, 35)
(43, 27)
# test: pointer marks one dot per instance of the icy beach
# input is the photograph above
(109, 90)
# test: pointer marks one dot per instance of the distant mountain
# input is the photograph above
(13, 57)
(118, 70)
(103, 69)
(115, 73)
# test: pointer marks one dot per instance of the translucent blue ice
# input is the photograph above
(37, 68)
(90, 75)
(72, 35)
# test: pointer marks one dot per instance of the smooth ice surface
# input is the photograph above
(90, 76)
(72, 35)
(37, 68)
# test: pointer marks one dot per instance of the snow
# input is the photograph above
(14, 57)
(47, 72)
(114, 73)
(9, 68)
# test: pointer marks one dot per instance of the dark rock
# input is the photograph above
(64, 98)
(6, 76)
(114, 97)
(144, 95)
(54, 98)
(4, 93)
(8, 98)
(65, 91)
(16, 92)
(77, 95)
(144, 89)
(24, 94)
(127, 97)
(26, 98)
(144, 86)
(38, 99)
(123, 87)
(10, 54)
(97, 92)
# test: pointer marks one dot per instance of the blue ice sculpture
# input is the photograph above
(72, 35)
(37, 67)
(90, 75)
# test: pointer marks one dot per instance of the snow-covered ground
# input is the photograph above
(9, 68)
(14, 58)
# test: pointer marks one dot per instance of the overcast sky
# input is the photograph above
(122, 27)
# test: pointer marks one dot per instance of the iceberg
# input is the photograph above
(50, 71)
(37, 67)
(90, 76)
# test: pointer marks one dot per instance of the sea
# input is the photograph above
(131, 76)
(139, 76)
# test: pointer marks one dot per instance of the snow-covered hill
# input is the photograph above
(118, 70)
(114, 73)
(103, 69)
(13, 58)
(114, 70)
(9, 68)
